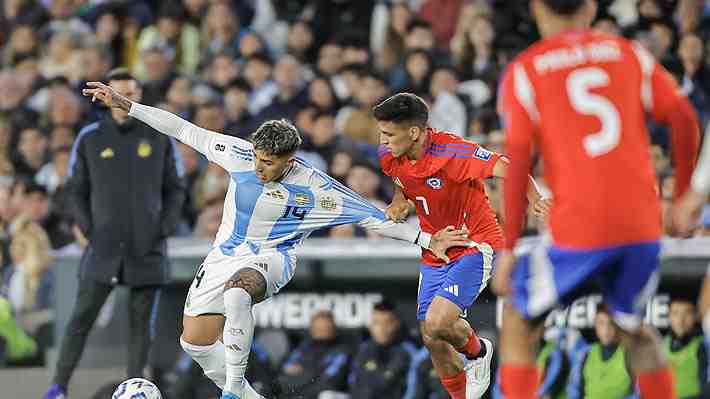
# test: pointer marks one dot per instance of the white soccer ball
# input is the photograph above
(137, 388)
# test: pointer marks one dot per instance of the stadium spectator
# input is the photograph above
(159, 72)
(180, 40)
(382, 364)
(126, 228)
(389, 28)
(356, 121)
(320, 363)
(220, 30)
(31, 155)
(236, 104)
(602, 370)
(300, 41)
(687, 349)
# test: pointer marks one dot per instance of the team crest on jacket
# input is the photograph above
(107, 153)
(434, 182)
(144, 149)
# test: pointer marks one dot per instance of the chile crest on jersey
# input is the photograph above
(435, 183)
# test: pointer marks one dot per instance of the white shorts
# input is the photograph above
(206, 291)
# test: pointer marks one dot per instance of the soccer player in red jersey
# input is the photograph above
(580, 99)
(442, 175)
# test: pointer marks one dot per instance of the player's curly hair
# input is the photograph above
(276, 137)
(402, 108)
(564, 7)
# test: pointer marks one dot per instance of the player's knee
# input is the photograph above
(438, 326)
(250, 281)
(434, 345)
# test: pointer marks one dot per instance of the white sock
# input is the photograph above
(210, 358)
(237, 336)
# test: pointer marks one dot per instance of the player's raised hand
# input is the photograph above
(686, 212)
(446, 238)
(542, 207)
(398, 211)
(505, 263)
(107, 95)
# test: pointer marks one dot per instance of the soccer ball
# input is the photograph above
(136, 388)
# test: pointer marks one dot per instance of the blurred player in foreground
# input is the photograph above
(274, 201)
(442, 175)
(686, 216)
(580, 99)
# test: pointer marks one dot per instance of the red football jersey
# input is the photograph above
(446, 186)
(581, 98)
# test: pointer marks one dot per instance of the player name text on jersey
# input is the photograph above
(561, 58)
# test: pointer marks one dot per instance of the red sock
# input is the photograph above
(455, 385)
(519, 381)
(656, 384)
(472, 346)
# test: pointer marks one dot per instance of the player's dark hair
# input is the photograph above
(564, 7)
(120, 74)
(402, 108)
(276, 137)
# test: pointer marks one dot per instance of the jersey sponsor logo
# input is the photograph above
(482, 154)
(144, 149)
(276, 194)
(453, 289)
(435, 183)
(301, 199)
(328, 203)
(220, 147)
(107, 153)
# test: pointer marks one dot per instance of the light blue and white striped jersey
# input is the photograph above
(274, 216)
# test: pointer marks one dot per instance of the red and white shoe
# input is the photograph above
(478, 372)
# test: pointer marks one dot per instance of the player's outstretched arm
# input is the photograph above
(212, 144)
(437, 243)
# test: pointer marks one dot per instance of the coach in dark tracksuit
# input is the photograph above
(126, 189)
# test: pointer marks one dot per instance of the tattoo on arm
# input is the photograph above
(122, 102)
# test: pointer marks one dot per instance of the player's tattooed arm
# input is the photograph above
(107, 95)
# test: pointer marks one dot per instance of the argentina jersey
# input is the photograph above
(280, 215)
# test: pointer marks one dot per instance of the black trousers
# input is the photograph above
(90, 299)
